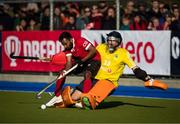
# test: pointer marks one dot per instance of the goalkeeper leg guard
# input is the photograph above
(156, 84)
(98, 93)
(66, 96)
(60, 105)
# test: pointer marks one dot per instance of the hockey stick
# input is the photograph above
(52, 82)
(23, 57)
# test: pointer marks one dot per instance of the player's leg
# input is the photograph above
(92, 68)
(58, 59)
(77, 92)
(87, 83)
(66, 93)
(57, 98)
(71, 97)
(97, 94)
(59, 85)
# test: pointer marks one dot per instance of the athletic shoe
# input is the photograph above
(54, 100)
(78, 105)
(86, 103)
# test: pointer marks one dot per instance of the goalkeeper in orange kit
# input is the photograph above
(113, 61)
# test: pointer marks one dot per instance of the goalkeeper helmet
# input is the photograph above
(113, 36)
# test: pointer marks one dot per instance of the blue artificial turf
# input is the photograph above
(136, 91)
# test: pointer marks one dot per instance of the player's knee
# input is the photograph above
(87, 75)
(76, 95)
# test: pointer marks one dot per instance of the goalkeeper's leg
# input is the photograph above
(92, 68)
(97, 94)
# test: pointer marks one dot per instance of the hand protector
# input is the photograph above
(59, 59)
(156, 84)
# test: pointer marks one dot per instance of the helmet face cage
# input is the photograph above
(114, 36)
(117, 40)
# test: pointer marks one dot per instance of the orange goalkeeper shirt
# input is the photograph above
(113, 64)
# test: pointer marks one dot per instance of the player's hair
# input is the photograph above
(66, 35)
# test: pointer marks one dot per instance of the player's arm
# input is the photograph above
(68, 64)
(149, 82)
(91, 52)
(141, 74)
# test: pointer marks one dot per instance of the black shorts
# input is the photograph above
(91, 65)
(81, 85)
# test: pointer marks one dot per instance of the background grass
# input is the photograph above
(21, 107)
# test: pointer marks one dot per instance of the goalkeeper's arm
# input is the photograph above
(149, 82)
(141, 74)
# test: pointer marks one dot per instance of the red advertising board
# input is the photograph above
(36, 44)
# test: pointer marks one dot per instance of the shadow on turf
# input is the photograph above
(111, 104)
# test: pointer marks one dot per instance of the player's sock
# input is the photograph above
(59, 85)
(87, 85)
(87, 82)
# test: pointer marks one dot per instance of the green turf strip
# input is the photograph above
(22, 107)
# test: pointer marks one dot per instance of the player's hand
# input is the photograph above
(80, 63)
(62, 73)
(156, 84)
(45, 59)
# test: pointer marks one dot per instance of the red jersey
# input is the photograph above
(80, 49)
